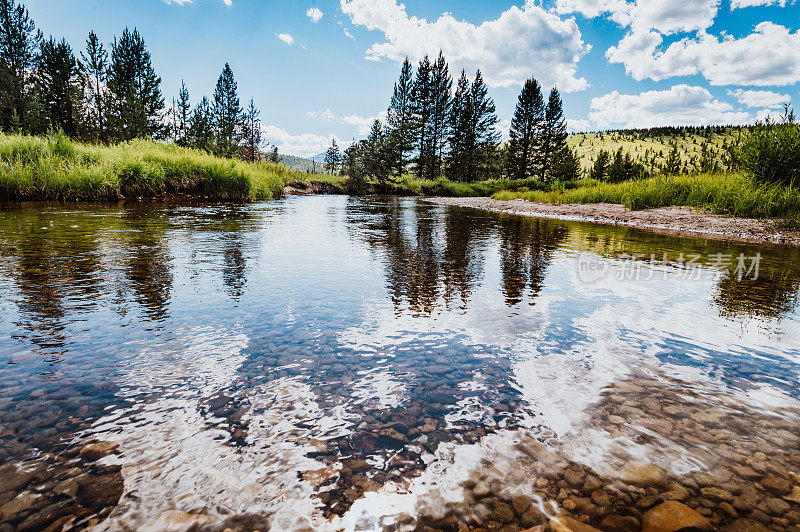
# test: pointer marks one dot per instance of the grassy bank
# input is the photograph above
(733, 194)
(57, 168)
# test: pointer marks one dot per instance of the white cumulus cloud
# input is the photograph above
(681, 105)
(522, 42)
(314, 13)
(285, 37)
(768, 56)
(645, 15)
(736, 4)
(763, 99)
(303, 144)
(362, 123)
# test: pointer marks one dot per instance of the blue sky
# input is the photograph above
(325, 68)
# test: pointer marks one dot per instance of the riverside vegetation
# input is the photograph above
(437, 140)
(57, 168)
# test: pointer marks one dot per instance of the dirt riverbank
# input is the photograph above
(680, 220)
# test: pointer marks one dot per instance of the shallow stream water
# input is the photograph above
(334, 363)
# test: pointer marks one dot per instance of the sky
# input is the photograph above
(325, 69)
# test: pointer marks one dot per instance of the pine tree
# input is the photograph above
(554, 135)
(201, 126)
(461, 135)
(484, 158)
(19, 40)
(526, 127)
(600, 167)
(375, 150)
(400, 119)
(473, 139)
(673, 163)
(57, 80)
(227, 112)
(422, 103)
(135, 89)
(441, 84)
(251, 133)
(332, 158)
(182, 110)
(94, 64)
(565, 165)
(274, 156)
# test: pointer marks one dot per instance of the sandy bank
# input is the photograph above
(680, 220)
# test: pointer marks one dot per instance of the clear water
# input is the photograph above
(242, 355)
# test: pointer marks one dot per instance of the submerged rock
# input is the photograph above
(777, 485)
(644, 475)
(567, 524)
(672, 516)
(18, 505)
(620, 523)
(744, 525)
(176, 521)
(96, 451)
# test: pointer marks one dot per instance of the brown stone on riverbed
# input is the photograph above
(12, 478)
(672, 516)
(777, 485)
(644, 475)
(96, 451)
(102, 491)
(18, 505)
(745, 525)
(52, 514)
(567, 524)
(620, 523)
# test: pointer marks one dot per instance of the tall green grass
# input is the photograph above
(57, 168)
(734, 194)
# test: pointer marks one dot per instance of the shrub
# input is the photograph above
(771, 152)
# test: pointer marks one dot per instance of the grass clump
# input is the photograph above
(736, 194)
(57, 168)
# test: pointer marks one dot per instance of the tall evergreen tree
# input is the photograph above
(227, 112)
(422, 103)
(19, 40)
(483, 159)
(473, 140)
(251, 133)
(554, 136)
(332, 158)
(400, 119)
(94, 65)
(181, 116)
(461, 134)
(58, 83)
(201, 126)
(441, 85)
(375, 153)
(135, 89)
(526, 126)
